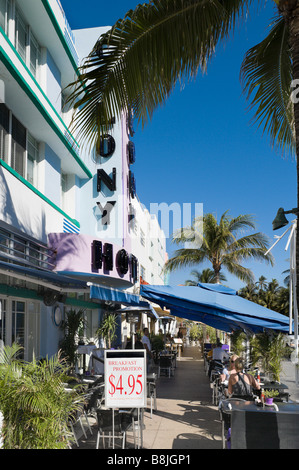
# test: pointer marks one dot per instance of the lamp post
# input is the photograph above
(279, 222)
(165, 322)
(132, 318)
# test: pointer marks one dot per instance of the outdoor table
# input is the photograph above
(280, 387)
(91, 379)
(85, 350)
(273, 386)
(263, 427)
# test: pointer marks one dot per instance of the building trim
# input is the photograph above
(60, 34)
(38, 86)
(37, 192)
(35, 100)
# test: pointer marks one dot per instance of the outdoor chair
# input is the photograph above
(151, 391)
(225, 418)
(132, 420)
(74, 420)
(264, 430)
(94, 398)
(165, 364)
(218, 390)
(106, 428)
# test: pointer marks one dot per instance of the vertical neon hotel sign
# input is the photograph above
(103, 254)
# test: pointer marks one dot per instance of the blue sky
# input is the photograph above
(201, 147)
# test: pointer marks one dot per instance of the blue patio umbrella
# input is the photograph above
(217, 306)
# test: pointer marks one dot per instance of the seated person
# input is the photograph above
(137, 343)
(218, 354)
(210, 353)
(241, 384)
(227, 371)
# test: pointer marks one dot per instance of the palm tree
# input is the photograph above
(107, 328)
(270, 294)
(219, 244)
(262, 283)
(205, 276)
(138, 62)
(269, 298)
(249, 292)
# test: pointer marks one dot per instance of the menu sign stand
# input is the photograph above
(125, 381)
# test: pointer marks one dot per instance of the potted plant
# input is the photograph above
(107, 328)
(157, 343)
(73, 326)
(269, 350)
(269, 395)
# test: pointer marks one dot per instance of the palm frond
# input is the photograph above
(266, 75)
(184, 257)
(138, 62)
(220, 246)
(241, 222)
(242, 273)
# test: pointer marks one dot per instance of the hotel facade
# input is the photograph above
(73, 233)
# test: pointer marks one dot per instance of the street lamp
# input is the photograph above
(279, 222)
(280, 219)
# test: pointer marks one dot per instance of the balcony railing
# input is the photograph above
(67, 32)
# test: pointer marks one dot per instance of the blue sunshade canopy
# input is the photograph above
(216, 306)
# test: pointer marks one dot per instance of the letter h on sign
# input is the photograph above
(97, 254)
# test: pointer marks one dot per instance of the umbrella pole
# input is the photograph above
(295, 299)
(133, 335)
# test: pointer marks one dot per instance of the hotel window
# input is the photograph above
(142, 237)
(23, 156)
(19, 247)
(4, 241)
(20, 35)
(3, 320)
(63, 191)
(4, 9)
(19, 250)
(26, 44)
(34, 55)
(142, 272)
(32, 158)
(4, 132)
(18, 147)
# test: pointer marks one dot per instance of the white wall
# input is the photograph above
(148, 243)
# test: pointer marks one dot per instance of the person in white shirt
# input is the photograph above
(147, 346)
(220, 354)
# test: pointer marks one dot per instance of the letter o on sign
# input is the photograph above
(106, 146)
(122, 261)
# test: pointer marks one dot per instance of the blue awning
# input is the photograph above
(113, 295)
(216, 306)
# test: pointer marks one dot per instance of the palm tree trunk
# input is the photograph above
(217, 269)
(292, 17)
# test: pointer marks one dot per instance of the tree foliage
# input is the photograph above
(35, 406)
(269, 294)
(221, 243)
